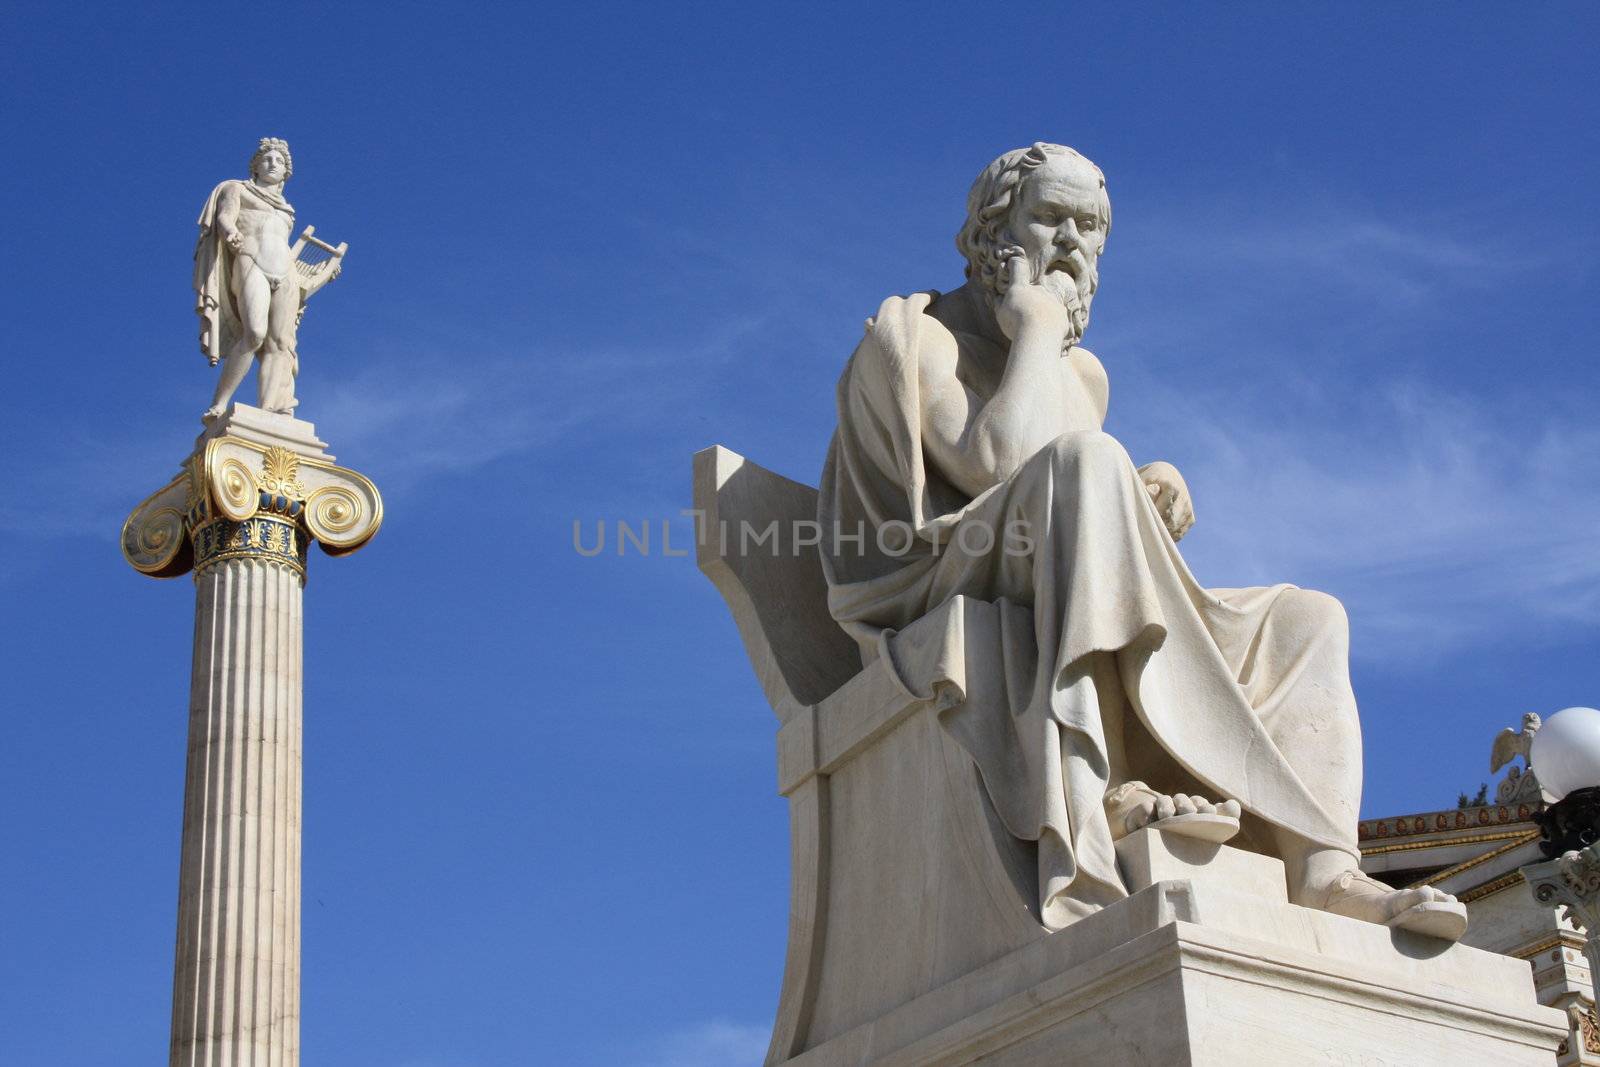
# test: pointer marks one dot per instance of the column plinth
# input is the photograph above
(241, 514)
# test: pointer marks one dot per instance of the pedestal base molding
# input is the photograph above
(1185, 972)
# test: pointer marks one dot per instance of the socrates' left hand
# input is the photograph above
(1170, 494)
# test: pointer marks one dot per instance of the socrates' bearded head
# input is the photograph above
(1050, 202)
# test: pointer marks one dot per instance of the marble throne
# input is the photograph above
(914, 935)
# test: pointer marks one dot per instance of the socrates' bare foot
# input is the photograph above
(1134, 806)
(1425, 910)
(212, 413)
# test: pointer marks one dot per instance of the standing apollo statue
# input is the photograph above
(251, 285)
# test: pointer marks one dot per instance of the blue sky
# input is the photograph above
(1349, 292)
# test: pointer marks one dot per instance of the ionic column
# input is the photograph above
(258, 489)
(1572, 881)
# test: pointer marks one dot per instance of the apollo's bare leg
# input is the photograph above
(275, 385)
(254, 297)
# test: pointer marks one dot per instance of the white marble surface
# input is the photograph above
(1192, 971)
(269, 428)
(1148, 856)
(968, 789)
(904, 881)
(251, 285)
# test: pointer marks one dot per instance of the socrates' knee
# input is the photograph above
(1312, 613)
(1090, 450)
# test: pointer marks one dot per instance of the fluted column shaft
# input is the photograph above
(236, 999)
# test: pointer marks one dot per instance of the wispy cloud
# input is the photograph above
(89, 483)
(1439, 520)
(1441, 517)
(1319, 268)
(446, 417)
(1378, 258)
(427, 415)
(716, 1043)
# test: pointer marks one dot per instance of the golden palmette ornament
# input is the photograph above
(277, 477)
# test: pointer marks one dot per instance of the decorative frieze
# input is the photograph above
(1435, 822)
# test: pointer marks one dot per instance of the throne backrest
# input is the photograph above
(752, 547)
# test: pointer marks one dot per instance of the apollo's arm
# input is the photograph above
(228, 216)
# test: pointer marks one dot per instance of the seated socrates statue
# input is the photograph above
(1118, 692)
(251, 285)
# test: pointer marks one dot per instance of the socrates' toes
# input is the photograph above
(1134, 806)
(1440, 918)
(1423, 910)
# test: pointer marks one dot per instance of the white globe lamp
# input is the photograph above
(1565, 753)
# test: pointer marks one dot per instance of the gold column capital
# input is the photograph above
(236, 498)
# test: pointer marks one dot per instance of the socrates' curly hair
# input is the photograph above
(267, 145)
(989, 207)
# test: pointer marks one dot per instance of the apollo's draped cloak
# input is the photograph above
(1102, 576)
(214, 262)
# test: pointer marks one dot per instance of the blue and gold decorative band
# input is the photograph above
(264, 536)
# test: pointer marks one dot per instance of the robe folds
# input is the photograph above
(1098, 616)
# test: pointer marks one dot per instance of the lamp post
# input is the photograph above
(1565, 754)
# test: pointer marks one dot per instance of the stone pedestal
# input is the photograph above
(241, 514)
(1207, 964)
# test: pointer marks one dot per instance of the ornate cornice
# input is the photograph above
(1437, 822)
(1505, 881)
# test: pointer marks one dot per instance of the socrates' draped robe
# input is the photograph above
(1218, 678)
